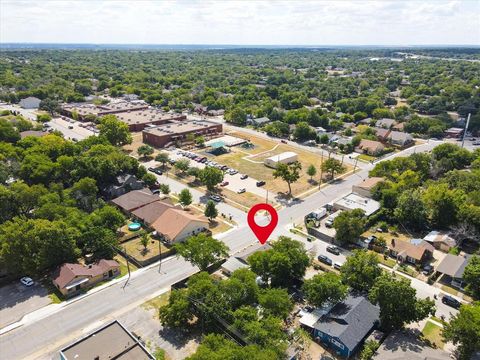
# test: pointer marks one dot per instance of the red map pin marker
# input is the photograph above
(262, 232)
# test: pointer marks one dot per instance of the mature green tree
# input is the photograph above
(144, 240)
(177, 313)
(236, 116)
(182, 165)
(311, 171)
(398, 302)
(194, 171)
(100, 242)
(115, 131)
(211, 211)
(464, 330)
(303, 132)
(369, 349)
(411, 211)
(289, 173)
(241, 288)
(360, 270)
(149, 179)
(284, 264)
(210, 177)
(324, 139)
(165, 189)
(50, 105)
(442, 204)
(85, 191)
(349, 225)
(162, 158)
(108, 217)
(202, 250)
(324, 288)
(332, 166)
(471, 276)
(185, 197)
(145, 150)
(275, 302)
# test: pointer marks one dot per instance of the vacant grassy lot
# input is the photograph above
(433, 333)
(136, 250)
(250, 161)
(388, 236)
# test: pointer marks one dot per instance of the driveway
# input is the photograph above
(17, 300)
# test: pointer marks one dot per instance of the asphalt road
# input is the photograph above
(42, 336)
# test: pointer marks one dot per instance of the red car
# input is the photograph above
(225, 183)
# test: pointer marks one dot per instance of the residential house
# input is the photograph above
(176, 225)
(385, 123)
(413, 253)
(400, 138)
(134, 199)
(111, 341)
(30, 103)
(259, 121)
(343, 327)
(440, 240)
(406, 345)
(149, 213)
(453, 266)
(124, 183)
(399, 127)
(69, 279)
(370, 147)
(382, 133)
(219, 112)
(233, 264)
(366, 186)
(454, 132)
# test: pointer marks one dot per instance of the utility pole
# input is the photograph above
(128, 267)
(160, 252)
(321, 172)
(355, 165)
(466, 128)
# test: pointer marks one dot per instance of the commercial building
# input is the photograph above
(82, 110)
(283, 158)
(30, 103)
(353, 201)
(176, 132)
(138, 120)
(112, 341)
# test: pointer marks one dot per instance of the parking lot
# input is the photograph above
(71, 129)
(17, 300)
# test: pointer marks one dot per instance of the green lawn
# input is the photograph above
(433, 333)
(408, 270)
(365, 157)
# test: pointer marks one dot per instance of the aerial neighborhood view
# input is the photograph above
(229, 180)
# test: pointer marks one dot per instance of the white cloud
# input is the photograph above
(241, 22)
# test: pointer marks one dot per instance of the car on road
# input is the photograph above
(451, 301)
(337, 266)
(241, 191)
(476, 143)
(70, 127)
(325, 259)
(260, 183)
(215, 198)
(283, 141)
(243, 177)
(26, 281)
(333, 249)
(224, 183)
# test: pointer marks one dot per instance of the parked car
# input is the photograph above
(325, 259)
(260, 183)
(337, 266)
(224, 167)
(172, 162)
(241, 191)
(233, 172)
(427, 269)
(70, 127)
(243, 177)
(215, 198)
(26, 281)
(333, 249)
(283, 141)
(451, 301)
(224, 183)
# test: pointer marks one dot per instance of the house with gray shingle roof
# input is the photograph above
(344, 328)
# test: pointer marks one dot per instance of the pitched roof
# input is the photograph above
(381, 132)
(371, 145)
(233, 264)
(173, 221)
(405, 248)
(243, 255)
(399, 136)
(440, 237)
(453, 265)
(385, 122)
(262, 120)
(350, 321)
(135, 199)
(67, 272)
(369, 183)
(34, 133)
(151, 212)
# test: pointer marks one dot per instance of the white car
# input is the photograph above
(241, 191)
(26, 281)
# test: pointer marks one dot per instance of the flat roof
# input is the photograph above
(88, 108)
(354, 201)
(145, 116)
(283, 156)
(113, 341)
(180, 127)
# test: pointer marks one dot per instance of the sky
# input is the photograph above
(253, 22)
